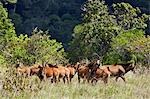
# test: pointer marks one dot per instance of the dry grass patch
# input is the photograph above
(136, 87)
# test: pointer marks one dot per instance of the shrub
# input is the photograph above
(14, 84)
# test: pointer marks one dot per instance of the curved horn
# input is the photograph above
(96, 55)
(98, 62)
(78, 63)
(87, 61)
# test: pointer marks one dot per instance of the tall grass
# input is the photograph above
(136, 87)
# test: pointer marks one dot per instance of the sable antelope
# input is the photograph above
(83, 72)
(76, 66)
(72, 71)
(114, 70)
(127, 67)
(34, 70)
(49, 71)
(93, 66)
(23, 70)
(99, 74)
(64, 73)
(86, 71)
(118, 70)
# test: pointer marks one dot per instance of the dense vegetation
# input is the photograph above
(93, 30)
(113, 33)
(57, 16)
(62, 31)
(135, 88)
(39, 47)
(109, 32)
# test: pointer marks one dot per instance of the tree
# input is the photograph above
(120, 47)
(38, 48)
(133, 25)
(28, 14)
(128, 17)
(57, 16)
(7, 33)
(43, 49)
(94, 34)
(9, 1)
(18, 50)
(141, 46)
(17, 20)
(7, 30)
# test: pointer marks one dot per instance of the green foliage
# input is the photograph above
(43, 49)
(124, 47)
(36, 48)
(132, 23)
(129, 17)
(95, 33)
(112, 57)
(124, 39)
(12, 1)
(108, 35)
(28, 14)
(14, 84)
(141, 46)
(9, 1)
(57, 16)
(2, 60)
(7, 33)
(18, 49)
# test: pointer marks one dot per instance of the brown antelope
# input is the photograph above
(99, 74)
(49, 71)
(118, 70)
(23, 70)
(64, 73)
(72, 71)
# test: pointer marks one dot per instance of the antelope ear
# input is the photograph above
(40, 66)
(78, 63)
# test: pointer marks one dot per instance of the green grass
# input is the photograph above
(136, 87)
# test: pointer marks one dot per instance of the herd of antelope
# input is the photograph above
(90, 72)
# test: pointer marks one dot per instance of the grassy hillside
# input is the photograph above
(136, 87)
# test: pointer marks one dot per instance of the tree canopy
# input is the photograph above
(7, 32)
(95, 33)
(58, 16)
(100, 27)
(36, 31)
(37, 48)
(129, 17)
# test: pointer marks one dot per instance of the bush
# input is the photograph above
(121, 47)
(14, 84)
(38, 48)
